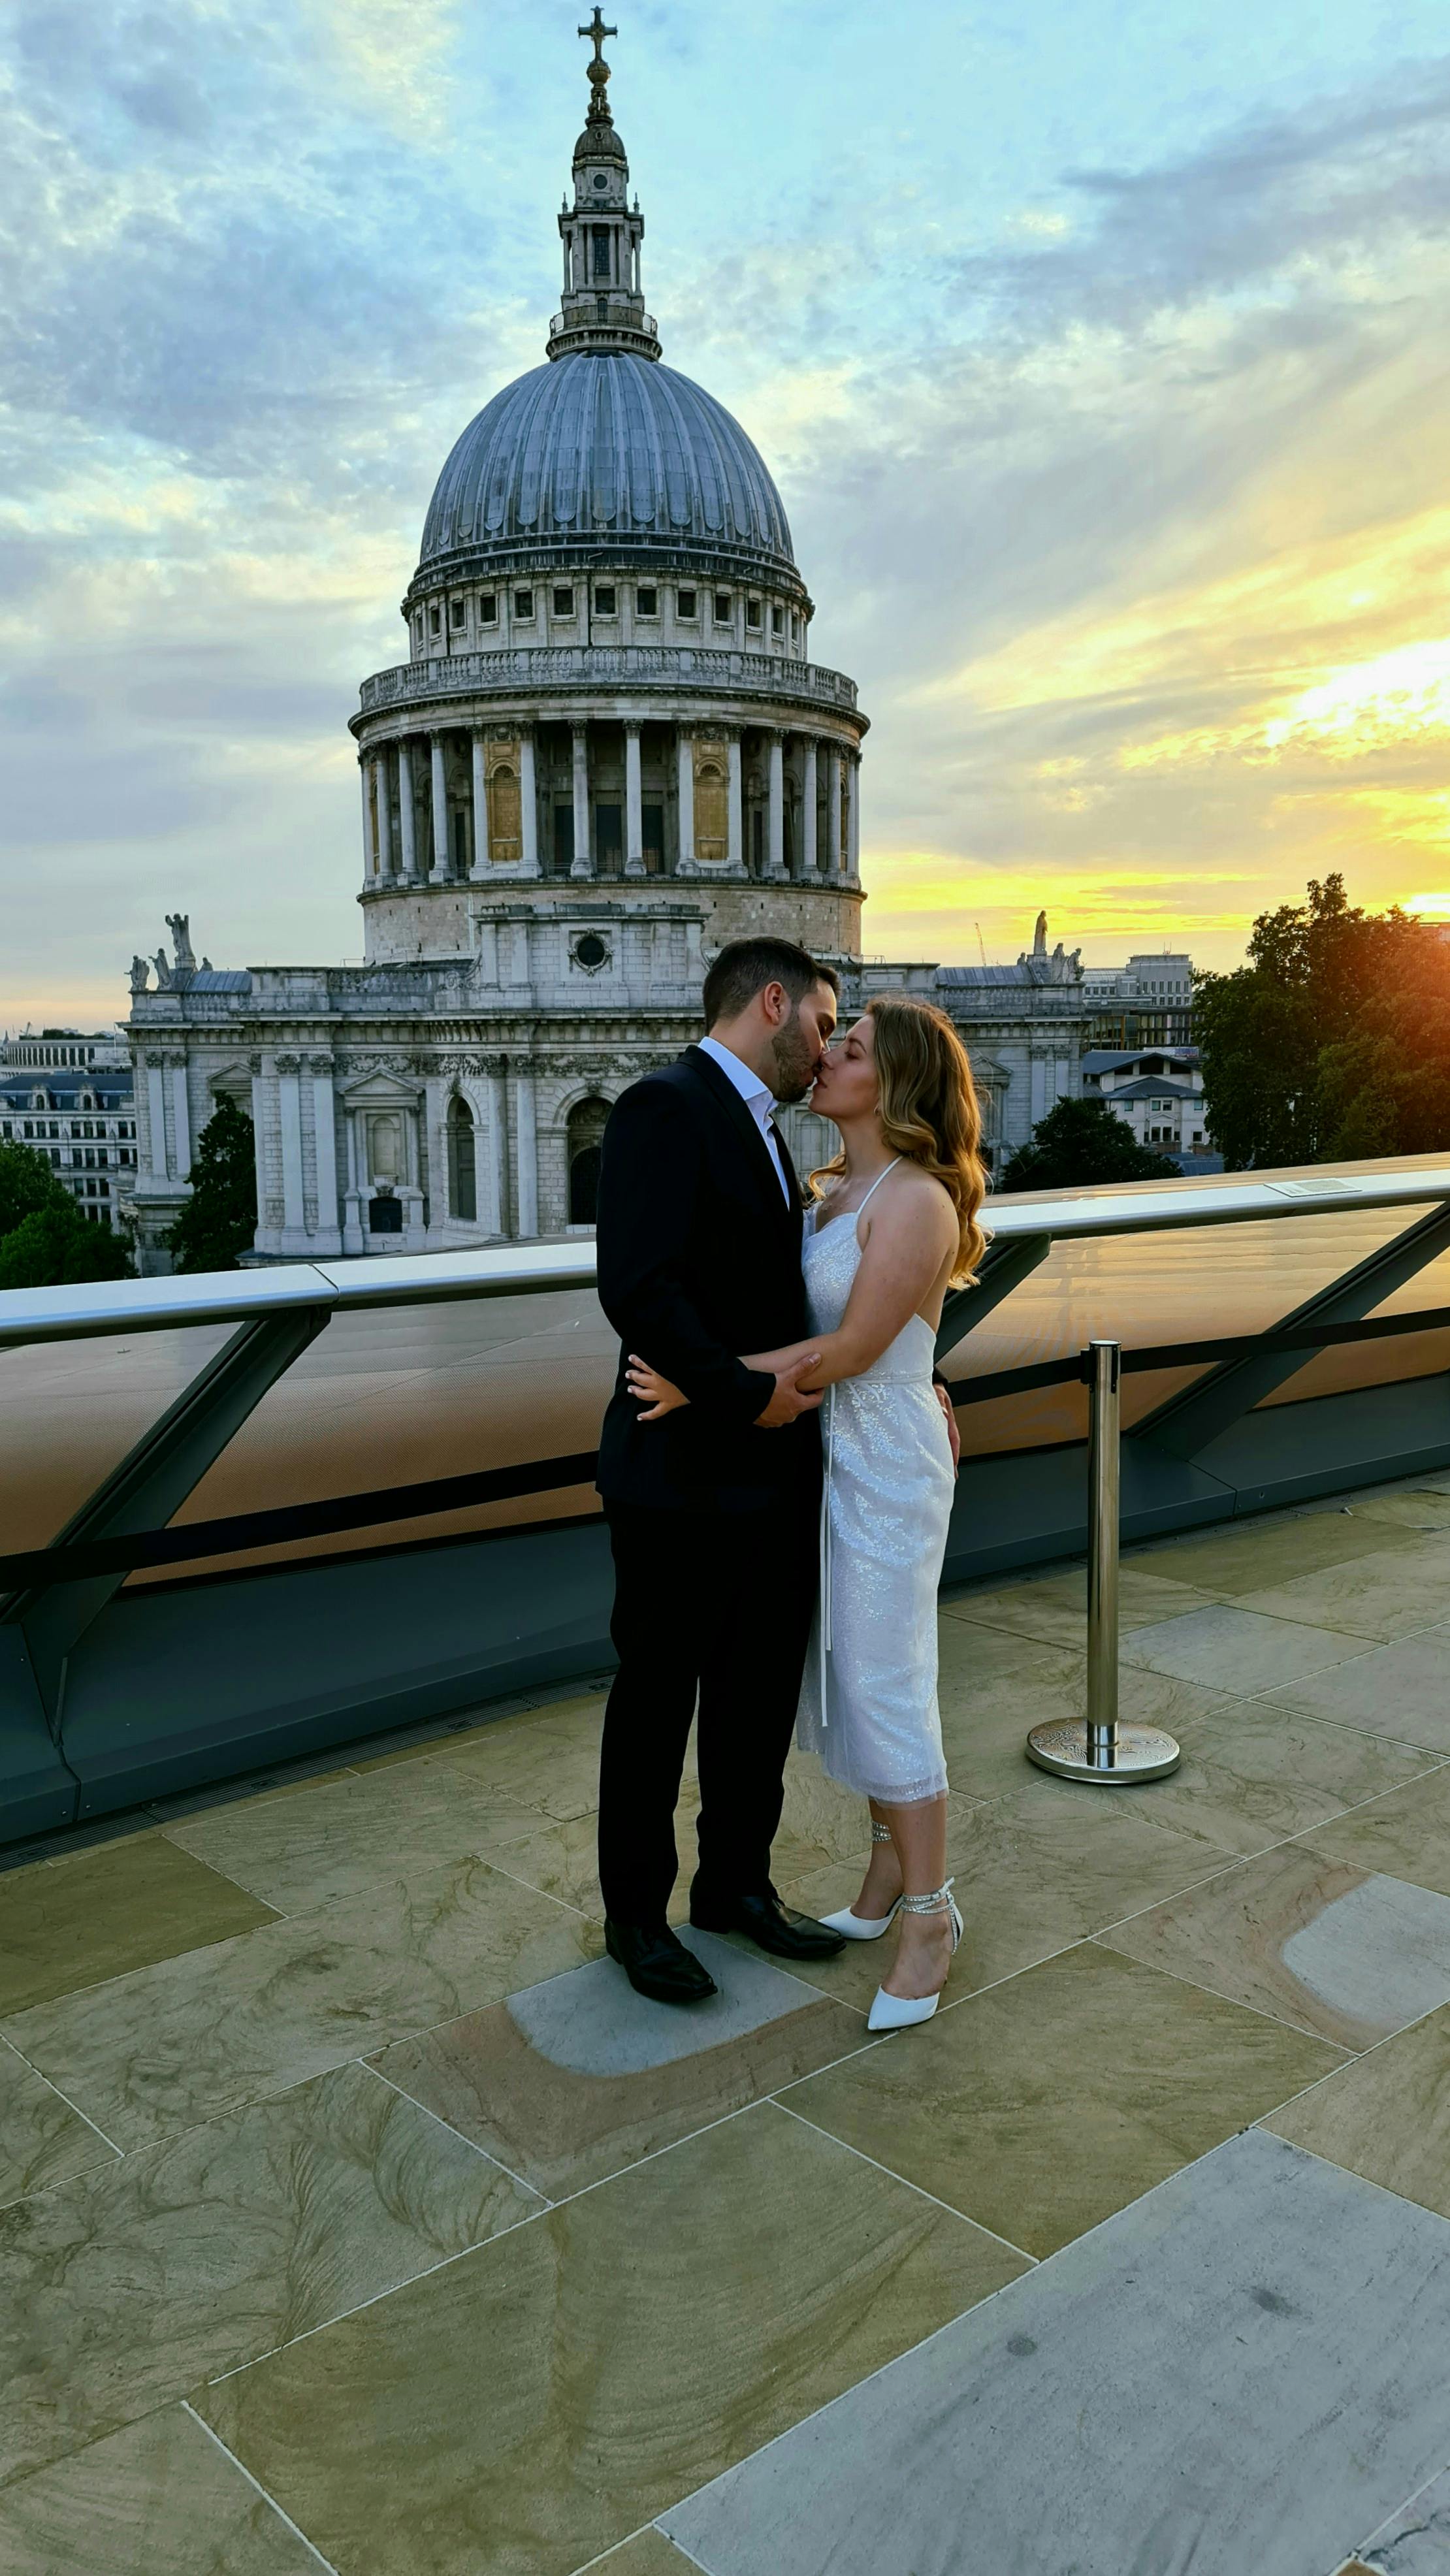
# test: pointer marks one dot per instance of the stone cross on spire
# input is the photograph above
(599, 68)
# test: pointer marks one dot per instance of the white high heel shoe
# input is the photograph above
(864, 1927)
(903, 2012)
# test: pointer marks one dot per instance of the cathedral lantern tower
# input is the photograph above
(608, 700)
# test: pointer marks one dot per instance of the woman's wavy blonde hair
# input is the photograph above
(929, 1112)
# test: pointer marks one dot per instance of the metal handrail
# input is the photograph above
(533, 1269)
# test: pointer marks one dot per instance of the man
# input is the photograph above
(714, 1511)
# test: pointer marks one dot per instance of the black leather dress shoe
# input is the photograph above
(657, 1964)
(768, 1923)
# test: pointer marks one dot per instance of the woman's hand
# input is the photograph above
(647, 1385)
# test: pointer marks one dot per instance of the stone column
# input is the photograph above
(833, 810)
(181, 1116)
(259, 1135)
(289, 1104)
(633, 804)
(685, 861)
(156, 1116)
(324, 1129)
(775, 810)
(583, 855)
(498, 1153)
(480, 865)
(528, 804)
(808, 809)
(407, 814)
(368, 861)
(735, 848)
(853, 817)
(526, 1134)
(440, 811)
(382, 790)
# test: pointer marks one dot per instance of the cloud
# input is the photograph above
(1127, 515)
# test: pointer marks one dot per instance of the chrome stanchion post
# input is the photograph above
(1097, 1747)
(1102, 1564)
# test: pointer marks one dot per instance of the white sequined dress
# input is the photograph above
(868, 1702)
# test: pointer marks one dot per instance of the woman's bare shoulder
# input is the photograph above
(914, 1198)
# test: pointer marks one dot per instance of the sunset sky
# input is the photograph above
(1099, 351)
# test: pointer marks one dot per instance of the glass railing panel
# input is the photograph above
(71, 1411)
(402, 1395)
(1154, 1290)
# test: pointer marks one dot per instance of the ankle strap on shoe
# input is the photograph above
(936, 1900)
(880, 1833)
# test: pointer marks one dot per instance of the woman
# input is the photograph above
(895, 1225)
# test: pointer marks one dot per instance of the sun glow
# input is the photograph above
(1392, 699)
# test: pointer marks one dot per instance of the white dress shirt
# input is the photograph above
(756, 1096)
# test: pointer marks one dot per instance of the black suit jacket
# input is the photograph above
(699, 1259)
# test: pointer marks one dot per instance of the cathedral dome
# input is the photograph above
(606, 447)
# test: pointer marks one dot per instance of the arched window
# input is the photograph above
(462, 1171)
(585, 1135)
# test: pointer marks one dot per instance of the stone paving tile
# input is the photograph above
(1219, 2378)
(119, 2291)
(1385, 2115)
(334, 1839)
(1254, 1773)
(181, 2042)
(42, 2140)
(1416, 1507)
(582, 2076)
(985, 1721)
(1228, 1649)
(525, 2407)
(1039, 2108)
(157, 2499)
(648, 2554)
(551, 1763)
(1034, 1872)
(73, 1923)
(1405, 1833)
(1384, 1595)
(1311, 1940)
(1053, 1607)
(1267, 1549)
(1416, 2540)
(1397, 1690)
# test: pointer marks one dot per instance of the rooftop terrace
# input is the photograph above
(353, 2211)
(361, 2217)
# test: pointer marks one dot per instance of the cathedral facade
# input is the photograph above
(608, 752)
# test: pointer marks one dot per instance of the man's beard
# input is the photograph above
(795, 1064)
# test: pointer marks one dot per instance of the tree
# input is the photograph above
(54, 1247)
(219, 1220)
(26, 1183)
(1333, 1043)
(1080, 1142)
(45, 1242)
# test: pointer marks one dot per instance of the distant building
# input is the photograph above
(67, 1049)
(70, 1098)
(1023, 1026)
(1158, 1092)
(1148, 1002)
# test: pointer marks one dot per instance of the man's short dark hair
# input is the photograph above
(746, 966)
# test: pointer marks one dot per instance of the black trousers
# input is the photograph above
(718, 1603)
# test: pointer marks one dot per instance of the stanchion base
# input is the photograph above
(1141, 1753)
